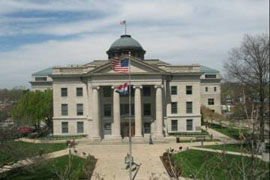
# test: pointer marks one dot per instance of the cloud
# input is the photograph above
(78, 31)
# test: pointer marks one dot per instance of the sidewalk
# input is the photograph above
(226, 152)
(111, 166)
(217, 135)
(30, 161)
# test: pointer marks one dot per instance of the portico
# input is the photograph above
(114, 125)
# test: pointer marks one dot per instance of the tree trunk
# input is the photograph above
(261, 118)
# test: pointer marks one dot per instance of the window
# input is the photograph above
(107, 91)
(147, 128)
(64, 127)
(79, 109)
(213, 110)
(64, 92)
(147, 109)
(174, 107)
(107, 128)
(189, 90)
(174, 125)
(79, 91)
(41, 78)
(64, 109)
(188, 107)
(211, 101)
(189, 124)
(124, 109)
(146, 91)
(107, 110)
(206, 89)
(80, 127)
(215, 89)
(210, 76)
(173, 90)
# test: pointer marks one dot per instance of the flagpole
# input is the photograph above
(125, 27)
(129, 94)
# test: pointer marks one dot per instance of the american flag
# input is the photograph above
(121, 66)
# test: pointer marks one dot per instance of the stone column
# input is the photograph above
(159, 111)
(96, 113)
(116, 115)
(138, 111)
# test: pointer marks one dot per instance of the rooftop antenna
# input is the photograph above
(124, 22)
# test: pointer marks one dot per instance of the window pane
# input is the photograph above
(64, 92)
(124, 109)
(189, 107)
(79, 91)
(64, 109)
(215, 89)
(107, 91)
(147, 128)
(80, 127)
(107, 110)
(173, 90)
(64, 127)
(206, 89)
(146, 91)
(107, 128)
(79, 109)
(189, 124)
(174, 107)
(188, 89)
(210, 76)
(41, 78)
(211, 101)
(147, 109)
(174, 125)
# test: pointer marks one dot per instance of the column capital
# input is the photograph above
(137, 86)
(95, 87)
(159, 86)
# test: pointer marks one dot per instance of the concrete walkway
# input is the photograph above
(226, 152)
(30, 161)
(110, 164)
(217, 135)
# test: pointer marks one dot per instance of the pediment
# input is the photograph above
(137, 66)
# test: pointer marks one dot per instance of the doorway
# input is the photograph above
(125, 129)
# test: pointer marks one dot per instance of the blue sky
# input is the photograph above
(36, 34)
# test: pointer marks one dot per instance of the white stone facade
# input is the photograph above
(165, 99)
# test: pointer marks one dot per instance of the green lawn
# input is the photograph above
(16, 150)
(47, 169)
(230, 147)
(202, 164)
(229, 131)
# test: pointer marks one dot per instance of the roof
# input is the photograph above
(44, 72)
(205, 69)
(125, 41)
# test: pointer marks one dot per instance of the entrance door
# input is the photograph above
(125, 129)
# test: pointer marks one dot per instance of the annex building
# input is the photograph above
(165, 98)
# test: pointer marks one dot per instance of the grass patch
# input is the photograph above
(46, 170)
(210, 165)
(13, 151)
(234, 133)
(244, 148)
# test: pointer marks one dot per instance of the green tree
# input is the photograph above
(33, 108)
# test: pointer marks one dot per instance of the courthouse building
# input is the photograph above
(165, 98)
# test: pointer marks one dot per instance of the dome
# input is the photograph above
(126, 41)
(124, 45)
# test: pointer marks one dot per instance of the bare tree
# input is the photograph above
(249, 65)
